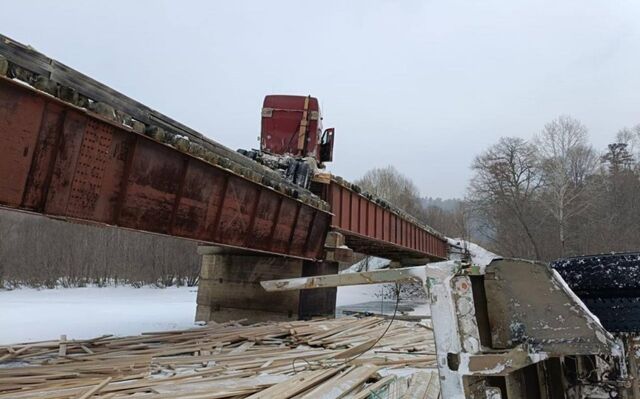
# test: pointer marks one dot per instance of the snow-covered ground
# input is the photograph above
(354, 294)
(31, 315)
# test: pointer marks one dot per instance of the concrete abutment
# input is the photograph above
(229, 288)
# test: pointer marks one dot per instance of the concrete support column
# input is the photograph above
(320, 302)
(229, 288)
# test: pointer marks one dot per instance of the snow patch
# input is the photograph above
(33, 315)
(357, 294)
(367, 264)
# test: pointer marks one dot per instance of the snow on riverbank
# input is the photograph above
(29, 314)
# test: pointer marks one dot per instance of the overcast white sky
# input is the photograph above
(421, 85)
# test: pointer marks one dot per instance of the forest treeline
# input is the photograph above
(41, 252)
(545, 197)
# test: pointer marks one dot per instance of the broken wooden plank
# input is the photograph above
(95, 389)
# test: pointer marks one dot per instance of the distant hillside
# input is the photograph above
(448, 204)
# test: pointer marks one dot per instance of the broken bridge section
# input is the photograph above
(60, 160)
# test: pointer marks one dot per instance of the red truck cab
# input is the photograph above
(293, 125)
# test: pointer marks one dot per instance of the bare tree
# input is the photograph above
(504, 191)
(452, 223)
(566, 160)
(391, 185)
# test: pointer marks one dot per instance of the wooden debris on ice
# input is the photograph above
(331, 358)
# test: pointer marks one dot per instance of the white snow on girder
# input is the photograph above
(480, 256)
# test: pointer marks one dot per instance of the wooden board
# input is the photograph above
(331, 358)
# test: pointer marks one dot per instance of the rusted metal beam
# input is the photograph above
(63, 161)
(371, 226)
(30, 59)
(381, 231)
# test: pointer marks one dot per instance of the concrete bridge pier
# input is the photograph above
(229, 287)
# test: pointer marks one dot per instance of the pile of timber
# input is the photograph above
(332, 358)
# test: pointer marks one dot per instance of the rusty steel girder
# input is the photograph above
(372, 229)
(60, 160)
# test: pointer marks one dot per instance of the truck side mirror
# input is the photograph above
(326, 145)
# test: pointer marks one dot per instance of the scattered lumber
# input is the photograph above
(405, 317)
(328, 358)
(423, 385)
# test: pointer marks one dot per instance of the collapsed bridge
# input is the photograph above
(75, 149)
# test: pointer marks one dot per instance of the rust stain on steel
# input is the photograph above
(60, 160)
(371, 229)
